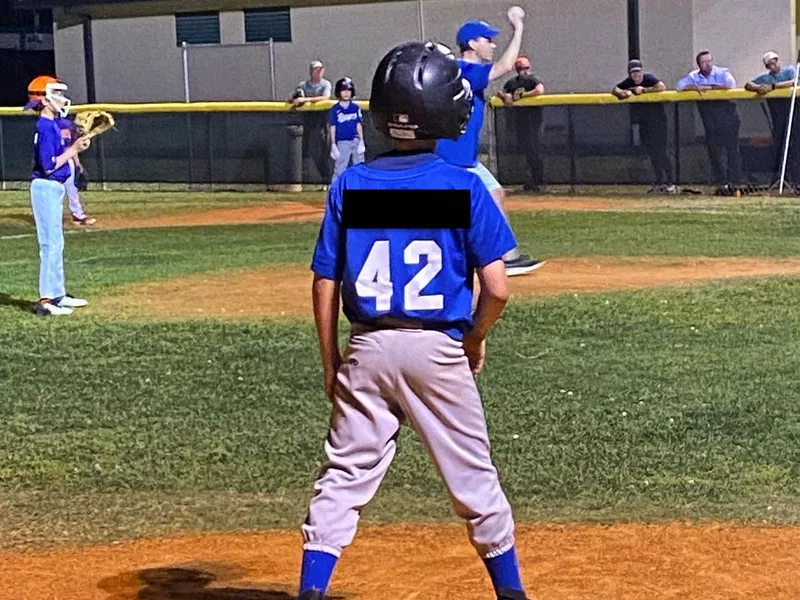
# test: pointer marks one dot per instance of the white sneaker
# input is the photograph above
(46, 309)
(71, 302)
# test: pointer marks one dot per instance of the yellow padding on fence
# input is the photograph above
(546, 100)
(667, 96)
(182, 107)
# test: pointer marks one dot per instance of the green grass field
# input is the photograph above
(652, 405)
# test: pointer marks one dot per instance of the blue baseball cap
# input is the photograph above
(472, 30)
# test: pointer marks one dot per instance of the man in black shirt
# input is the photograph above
(528, 122)
(652, 121)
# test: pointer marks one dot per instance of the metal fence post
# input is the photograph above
(101, 162)
(677, 134)
(2, 158)
(296, 156)
(492, 141)
(185, 52)
(211, 115)
(272, 68)
(573, 170)
(191, 148)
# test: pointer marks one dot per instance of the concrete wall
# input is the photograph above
(70, 65)
(137, 58)
(726, 28)
(574, 45)
(666, 38)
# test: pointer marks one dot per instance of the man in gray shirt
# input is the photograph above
(315, 131)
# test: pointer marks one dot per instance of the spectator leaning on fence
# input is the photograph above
(315, 124)
(777, 77)
(720, 120)
(651, 118)
(527, 121)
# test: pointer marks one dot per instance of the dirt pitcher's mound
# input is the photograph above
(569, 562)
(285, 291)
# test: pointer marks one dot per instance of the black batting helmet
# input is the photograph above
(345, 83)
(418, 93)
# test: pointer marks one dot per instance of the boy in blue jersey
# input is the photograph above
(476, 42)
(401, 240)
(51, 156)
(347, 131)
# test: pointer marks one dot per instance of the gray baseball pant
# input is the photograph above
(347, 149)
(386, 377)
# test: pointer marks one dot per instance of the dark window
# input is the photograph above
(263, 23)
(197, 28)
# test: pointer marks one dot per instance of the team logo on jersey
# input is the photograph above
(401, 118)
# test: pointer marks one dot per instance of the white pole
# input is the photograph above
(789, 128)
(272, 68)
(421, 23)
(185, 52)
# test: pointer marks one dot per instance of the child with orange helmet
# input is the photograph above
(51, 156)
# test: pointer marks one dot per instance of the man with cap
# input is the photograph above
(476, 43)
(651, 119)
(526, 121)
(315, 123)
(776, 77)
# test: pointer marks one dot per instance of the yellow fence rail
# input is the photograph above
(546, 100)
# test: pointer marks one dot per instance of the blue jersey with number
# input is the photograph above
(411, 274)
(464, 151)
(48, 144)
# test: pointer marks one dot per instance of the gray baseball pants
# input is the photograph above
(386, 377)
(347, 149)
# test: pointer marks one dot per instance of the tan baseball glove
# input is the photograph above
(94, 122)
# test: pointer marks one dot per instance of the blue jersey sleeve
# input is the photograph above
(477, 75)
(490, 236)
(328, 260)
(332, 115)
(48, 142)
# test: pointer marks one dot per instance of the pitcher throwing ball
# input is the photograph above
(401, 239)
(476, 41)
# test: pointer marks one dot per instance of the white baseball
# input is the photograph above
(516, 12)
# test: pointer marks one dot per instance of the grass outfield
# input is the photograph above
(651, 405)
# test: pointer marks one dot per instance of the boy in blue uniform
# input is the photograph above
(401, 240)
(347, 131)
(475, 40)
(51, 156)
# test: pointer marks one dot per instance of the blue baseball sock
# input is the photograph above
(317, 570)
(504, 571)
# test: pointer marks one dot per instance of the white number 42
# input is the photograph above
(374, 280)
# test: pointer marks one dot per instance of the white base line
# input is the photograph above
(20, 236)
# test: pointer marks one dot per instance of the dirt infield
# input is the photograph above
(569, 562)
(285, 291)
(287, 212)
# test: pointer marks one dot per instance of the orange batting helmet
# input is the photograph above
(45, 87)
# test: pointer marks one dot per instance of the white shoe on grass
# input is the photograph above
(46, 308)
(70, 302)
